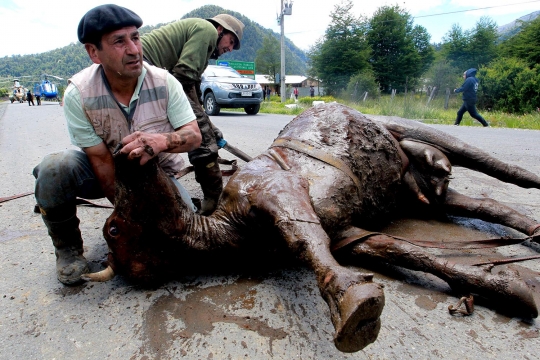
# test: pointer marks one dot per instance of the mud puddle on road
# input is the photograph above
(171, 319)
(459, 229)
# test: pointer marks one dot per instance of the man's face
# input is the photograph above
(226, 44)
(465, 75)
(121, 53)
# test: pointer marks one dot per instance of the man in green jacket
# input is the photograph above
(184, 48)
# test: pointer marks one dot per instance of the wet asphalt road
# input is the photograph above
(275, 315)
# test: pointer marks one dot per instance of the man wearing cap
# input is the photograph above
(184, 48)
(117, 100)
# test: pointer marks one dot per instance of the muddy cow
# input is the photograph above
(330, 178)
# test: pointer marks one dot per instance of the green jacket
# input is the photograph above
(182, 47)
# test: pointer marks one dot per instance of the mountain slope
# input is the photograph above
(70, 59)
(508, 30)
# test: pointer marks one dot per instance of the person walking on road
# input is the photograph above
(119, 100)
(469, 89)
(184, 48)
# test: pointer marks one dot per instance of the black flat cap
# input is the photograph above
(103, 19)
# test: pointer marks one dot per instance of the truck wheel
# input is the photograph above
(211, 107)
(252, 109)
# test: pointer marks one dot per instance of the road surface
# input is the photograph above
(275, 315)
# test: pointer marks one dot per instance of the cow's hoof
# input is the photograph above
(517, 297)
(359, 308)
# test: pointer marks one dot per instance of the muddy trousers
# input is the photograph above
(60, 179)
(469, 106)
(208, 175)
(204, 159)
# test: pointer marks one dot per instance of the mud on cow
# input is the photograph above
(329, 180)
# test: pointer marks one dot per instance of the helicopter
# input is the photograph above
(19, 92)
(46, 88)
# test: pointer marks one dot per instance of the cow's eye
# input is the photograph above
(113, 231)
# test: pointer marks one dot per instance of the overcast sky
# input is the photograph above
(39, 26)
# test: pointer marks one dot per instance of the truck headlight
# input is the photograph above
(225, 86)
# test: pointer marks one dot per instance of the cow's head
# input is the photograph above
(147, 215)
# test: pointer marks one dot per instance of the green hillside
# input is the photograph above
(70, 59)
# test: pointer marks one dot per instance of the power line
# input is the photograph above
(484, 8)
(438, 14)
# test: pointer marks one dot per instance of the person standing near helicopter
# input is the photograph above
(30, 98)
(184, 48)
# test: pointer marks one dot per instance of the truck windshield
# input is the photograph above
(222, 71)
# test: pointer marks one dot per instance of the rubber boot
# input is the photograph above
(209, 177)
(68, 243)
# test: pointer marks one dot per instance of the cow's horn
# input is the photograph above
(100, 276)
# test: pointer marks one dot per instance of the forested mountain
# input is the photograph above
(70, 59)
(508, 30)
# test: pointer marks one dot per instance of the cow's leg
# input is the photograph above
(460, 153)
(490, 210)
(355, 301)
(505, 287)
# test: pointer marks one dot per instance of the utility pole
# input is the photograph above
(286, 9)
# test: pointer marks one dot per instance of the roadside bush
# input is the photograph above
(308, 100)
(4, 92)
(509, 85)
(443, 76)
(359, 84)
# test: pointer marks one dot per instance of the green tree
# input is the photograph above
(268, 59)
(524, 45)
(454, 47)
(472, 48)
(400, 52)
(342, 51)
(483, 42)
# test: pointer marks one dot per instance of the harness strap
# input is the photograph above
(320, 155)
(230, 172)
(4, 199)
(456, 245)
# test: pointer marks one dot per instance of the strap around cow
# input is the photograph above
(360, 235)
(230, 172)
(311, 151)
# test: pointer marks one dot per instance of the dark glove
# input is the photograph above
(217, 133)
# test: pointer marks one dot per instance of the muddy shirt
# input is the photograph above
(182, 47)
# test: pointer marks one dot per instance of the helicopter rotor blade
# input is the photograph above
(53, 76)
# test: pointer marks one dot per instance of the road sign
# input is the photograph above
(245, 68)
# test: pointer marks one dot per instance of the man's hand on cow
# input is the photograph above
(143, 145)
